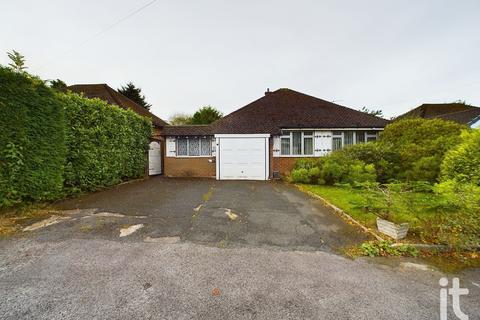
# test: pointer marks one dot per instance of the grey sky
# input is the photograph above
(392, 55)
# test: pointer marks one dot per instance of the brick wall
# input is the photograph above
(189, 167)
(284, 165)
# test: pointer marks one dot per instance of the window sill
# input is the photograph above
(193, 157)
(296, 156)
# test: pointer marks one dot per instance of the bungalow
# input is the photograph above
(457, 112)
(104, 92)
(264, 139)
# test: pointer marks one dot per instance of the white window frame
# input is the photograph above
(188, 138)
(289, 136)
(355, 141)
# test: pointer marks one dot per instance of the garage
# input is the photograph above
(154, 158)
(242, 156)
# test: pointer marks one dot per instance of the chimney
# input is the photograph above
(268, 91)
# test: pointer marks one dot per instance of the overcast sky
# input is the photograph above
(392, 55)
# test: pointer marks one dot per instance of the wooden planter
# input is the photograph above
(395, 231)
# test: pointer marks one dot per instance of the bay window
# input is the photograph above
(194, 147)
(296, 143)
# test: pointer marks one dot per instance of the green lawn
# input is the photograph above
(414, 208)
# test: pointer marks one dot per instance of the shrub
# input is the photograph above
(359, 172)
(300, 175)
(421, 145)
(306, 163)
(105, 143)
(460, 209)
(32, 147)
(462, 163)
(331, 172)
(384, 159)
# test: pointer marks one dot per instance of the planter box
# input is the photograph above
(395, 231)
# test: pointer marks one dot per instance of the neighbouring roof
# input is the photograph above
(286, 108)
(475, 123)
(187, 130)
(106, 93)
(458, 112)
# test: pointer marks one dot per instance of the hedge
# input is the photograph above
(53, 144)
(32, 139)
(105, 144)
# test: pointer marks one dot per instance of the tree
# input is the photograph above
(18, 61)
(135, 94)
(58, 85)
(206, 115)
(373, 112)
(179, 119)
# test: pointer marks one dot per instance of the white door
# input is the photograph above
(242, 157)
(154, 158)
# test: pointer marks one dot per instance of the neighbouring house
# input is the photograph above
(457, 112)
(264, 139)
(475, 123)
(104, 92)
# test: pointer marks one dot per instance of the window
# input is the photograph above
(296, 143)
(337, 143)
(285, 145)
(346, 138)
(371, 136)
(182, 147)
(194, 147)
(360, 136)
(308, 142)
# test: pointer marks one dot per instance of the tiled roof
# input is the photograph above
(187, 130)
(106, 93)
(466, 116)
(458, 112)
(286, 108)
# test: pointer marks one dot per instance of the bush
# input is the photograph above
(105, 143)
(462, 163)
(460, 209)
(331, 172)
(306, 163)
(384, 159)
(300, 176)
(421, 145)
(32, 146)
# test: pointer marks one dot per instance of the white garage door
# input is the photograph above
(242, 157)
(154, 158)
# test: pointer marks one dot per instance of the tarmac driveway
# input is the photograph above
(219, 213)
(249, 250)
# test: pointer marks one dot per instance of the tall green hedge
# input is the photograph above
(32, 139)
(105, 144)
(53, 144)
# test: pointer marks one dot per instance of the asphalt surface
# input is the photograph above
(274, 258)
